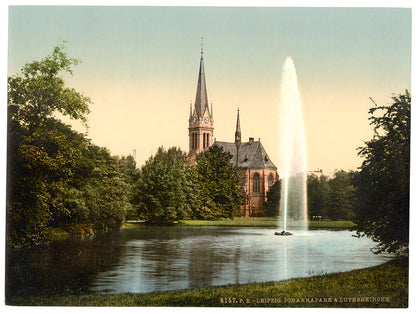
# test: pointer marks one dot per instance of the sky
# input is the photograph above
(140, 64)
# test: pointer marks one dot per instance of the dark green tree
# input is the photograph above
(128, 168)
(272, 205)
(37, 142)
(218, 184)
(331, 198)
(341, 198)
(384, 178)
(103, 188)
(39, 92)
(317, 189)
(163, 192)
(130, 175)
(56, 177)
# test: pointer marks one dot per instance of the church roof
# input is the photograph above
(250, 155)
(201, 99)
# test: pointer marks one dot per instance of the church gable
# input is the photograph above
(251, 155)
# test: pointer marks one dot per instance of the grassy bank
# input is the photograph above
(381, 286)
(268, 222)
(80, 231)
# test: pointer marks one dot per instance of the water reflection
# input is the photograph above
(199, 260)
(166, 258)
(61, 268)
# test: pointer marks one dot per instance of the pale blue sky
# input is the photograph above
(140, 65)
(375, 39)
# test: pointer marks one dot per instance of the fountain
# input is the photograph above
(293, 204)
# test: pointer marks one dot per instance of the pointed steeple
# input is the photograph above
(201, 122)
(238, 131)
(201, 99)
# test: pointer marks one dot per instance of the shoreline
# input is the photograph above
(268, 222)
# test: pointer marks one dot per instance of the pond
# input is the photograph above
(146, 259)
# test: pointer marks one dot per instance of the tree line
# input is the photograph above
(328, 197)
(170, 187)
(57, 178)
(332, 197)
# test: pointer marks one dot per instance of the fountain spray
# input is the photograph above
(292, 151)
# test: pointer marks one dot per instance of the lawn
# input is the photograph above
(268, 222)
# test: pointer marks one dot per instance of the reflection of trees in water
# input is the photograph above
(192, 257)
(208, 260)
(177, 254)
(201, 258)
(153, 258)
(163, 258)
(64, 267)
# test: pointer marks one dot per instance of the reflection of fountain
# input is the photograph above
(292, 152)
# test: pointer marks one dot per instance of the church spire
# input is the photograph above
(201, 121)
(190, 111)
(201, 99)
(238, 131)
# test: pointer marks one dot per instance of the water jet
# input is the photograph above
(293, 166)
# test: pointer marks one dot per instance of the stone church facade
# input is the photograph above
(256, 171)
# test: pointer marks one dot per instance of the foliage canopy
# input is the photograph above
(56, 177)
(383, 182)
(218, 183)
(164, 188)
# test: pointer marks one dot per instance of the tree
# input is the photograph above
(332, 198)
(341, 199)
(56, 177)
(39, 92)
(218, 184)
(272, 205)
(103, 188)
(38, 157)
(317, 189)
(130, 176)
(383, 181)
(165, 186)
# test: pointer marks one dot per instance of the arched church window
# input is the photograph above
(207, 139)
(204, 140)
(256, 183)
(270, 180)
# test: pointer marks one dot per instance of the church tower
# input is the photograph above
(201, 121)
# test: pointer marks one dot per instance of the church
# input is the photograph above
(256, 171)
